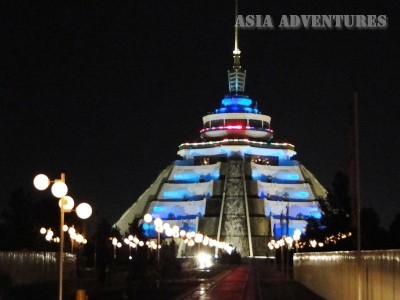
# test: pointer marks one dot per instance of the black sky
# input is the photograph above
(106, 91)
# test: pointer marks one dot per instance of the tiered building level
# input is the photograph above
(236, 186)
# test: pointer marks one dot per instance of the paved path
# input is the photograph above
(253, 279)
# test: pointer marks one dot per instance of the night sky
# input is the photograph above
(106, 91)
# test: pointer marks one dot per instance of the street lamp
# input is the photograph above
(72, 235)
(296, 238)
(59, 189)
(130, 244)
(289, 242)
(84, 211)
(158, 224)
(114, 241)
(49, 235)
(148, 218)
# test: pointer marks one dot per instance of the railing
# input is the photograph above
(334, 275)
(26, 267)
(237, 142)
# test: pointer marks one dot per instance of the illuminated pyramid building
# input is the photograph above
(236, 186)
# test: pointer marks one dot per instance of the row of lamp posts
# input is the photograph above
(73, 235)
(288, 242)
(158, 226)
(132, 242)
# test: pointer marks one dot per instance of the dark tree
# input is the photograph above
(136, 229)
(340, 198)
(102, 247)
(47, 214)
(335, 216)
(170, 266)
(18, 231)
(394, 230)
(373, 236)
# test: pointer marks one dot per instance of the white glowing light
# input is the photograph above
(84, 210)
(71, 230)
(59, 189)
(41, 182)
(158, 222)
(147, 218)
(169, 232)
(204, 260)
(175, 228)
(79, 238)
(68, 203)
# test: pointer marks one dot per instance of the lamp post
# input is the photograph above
(72, 233)
(289, 243)
(147, 218)
(158, 224)
(114, 241)
(59, 190)
(285, 198)
(48, 235)
(131, 244)
(296, 238)
(198, 238)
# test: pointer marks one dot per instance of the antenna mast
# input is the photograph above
(236, 51)
(236, 76)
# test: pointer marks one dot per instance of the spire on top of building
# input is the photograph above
(236, 76)
(236, 52)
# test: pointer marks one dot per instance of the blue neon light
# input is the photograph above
(221, 110)
(237, 109)
(195, 177)
(280, 177)
(251, 110)
(215, 175)
(157, 209)
(292, 176)
(176, 194)
(229, 101)
(317, 215)
(187, 176)
(301, 194)
(255, 175)
(292, 195)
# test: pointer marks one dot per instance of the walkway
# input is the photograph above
(254, 279)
